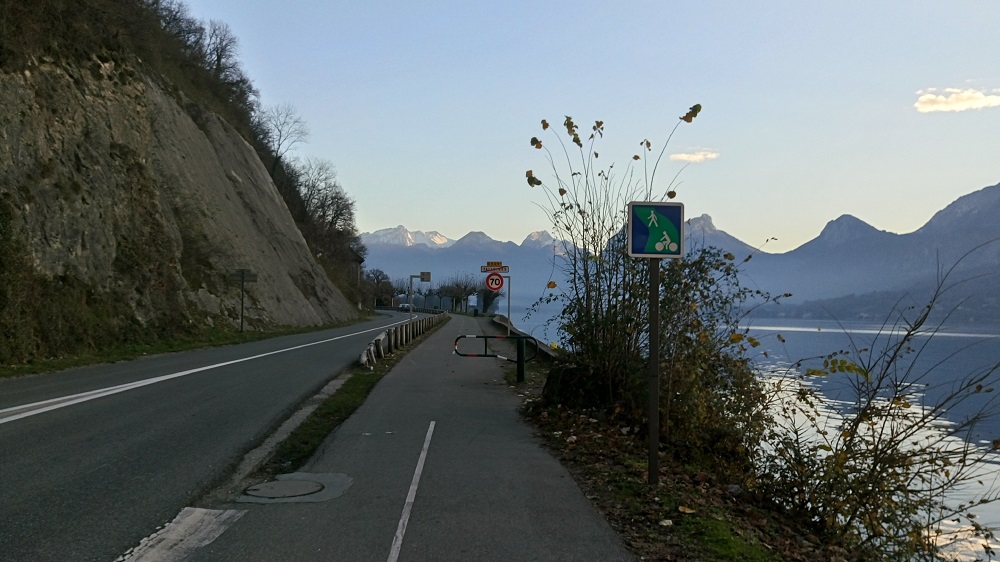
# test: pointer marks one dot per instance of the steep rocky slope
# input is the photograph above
(111, 189)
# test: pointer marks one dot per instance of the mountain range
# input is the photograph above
(851, 270)
(400, 236)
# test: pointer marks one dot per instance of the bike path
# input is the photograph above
(441, 467)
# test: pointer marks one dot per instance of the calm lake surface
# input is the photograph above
(938, 361)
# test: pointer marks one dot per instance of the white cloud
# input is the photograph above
(695, 157)
(954, 99)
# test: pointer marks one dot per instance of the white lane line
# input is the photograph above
(193, 528)
(397, 541)
(888, 331)
(26, 410)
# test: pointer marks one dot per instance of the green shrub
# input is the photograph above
(712, 406)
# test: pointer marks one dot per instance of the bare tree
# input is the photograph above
(327, 203)
(283, 128)
(176, 19)
(221, 51)
(461, 286)
(328, 218)
(382, 288)
(434, 291)
(400, 286)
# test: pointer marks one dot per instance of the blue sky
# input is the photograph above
(884, 110)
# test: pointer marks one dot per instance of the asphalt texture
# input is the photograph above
(89, 481)
(487, 489)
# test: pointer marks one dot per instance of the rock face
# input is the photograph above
(109, 182)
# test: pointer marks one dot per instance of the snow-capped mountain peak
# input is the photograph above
(400, 236)
(538, 238)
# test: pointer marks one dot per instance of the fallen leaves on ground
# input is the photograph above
(609, 465)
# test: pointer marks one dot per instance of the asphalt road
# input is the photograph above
(441, 468)
(89, 480)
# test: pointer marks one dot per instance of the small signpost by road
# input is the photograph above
(494, 266)
(655, 231)
(494, 282)
(242, 276)
(424, 277)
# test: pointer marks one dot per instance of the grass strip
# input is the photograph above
(717, 537)
(303, 441)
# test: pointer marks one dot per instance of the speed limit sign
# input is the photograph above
(494, 281)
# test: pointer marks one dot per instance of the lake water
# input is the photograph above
(534, 322)
(938, 362)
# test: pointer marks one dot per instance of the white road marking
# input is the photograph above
(26, 410)
(888, 331)
(193, 528)
(397, 541)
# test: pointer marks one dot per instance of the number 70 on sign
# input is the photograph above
(494, 281)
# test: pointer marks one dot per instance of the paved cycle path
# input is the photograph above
(435, 466)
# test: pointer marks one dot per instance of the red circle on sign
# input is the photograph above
(494, 281)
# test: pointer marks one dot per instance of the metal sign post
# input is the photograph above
(655, 231)
(510, 287)
(424, 276)
(494, 282)
(243, 276)
(653, 375)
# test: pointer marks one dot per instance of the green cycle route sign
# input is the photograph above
(655, 229)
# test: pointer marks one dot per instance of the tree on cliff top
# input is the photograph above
(281, 128)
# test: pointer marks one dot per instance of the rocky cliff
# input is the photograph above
(117, 189)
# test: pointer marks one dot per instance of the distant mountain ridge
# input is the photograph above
(849, 257)
(400, 236)
(852, 257)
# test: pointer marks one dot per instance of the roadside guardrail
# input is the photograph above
(395, 337)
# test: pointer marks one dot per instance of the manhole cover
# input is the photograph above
(284, 489)
(298, 487)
